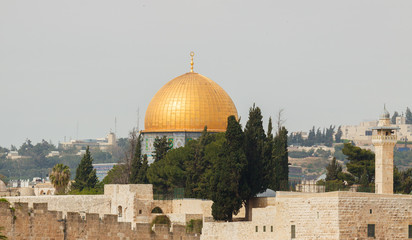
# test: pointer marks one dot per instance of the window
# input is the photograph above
(140, 211)
(271, 228)
(292, 231)
(370, 211)
(119, 211)
(256, 228)
(371, 230)
(264, 228)
(410, 231)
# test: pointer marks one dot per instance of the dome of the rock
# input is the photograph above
(188, 103)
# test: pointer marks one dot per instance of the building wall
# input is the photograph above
(40, 223)
(390, 213)
(179, 139)
(69, 203)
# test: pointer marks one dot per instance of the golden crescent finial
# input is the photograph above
(191, 61)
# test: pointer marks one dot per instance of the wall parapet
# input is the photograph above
(22, 222)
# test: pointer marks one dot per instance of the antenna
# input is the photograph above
(77, 130)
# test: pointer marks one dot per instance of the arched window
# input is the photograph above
(119, 211)
(157, 210)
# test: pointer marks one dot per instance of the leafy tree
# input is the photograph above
(137, 163)
(197, 165)
(161, 145)
(280, 154)
(269, 160)
(402, 181)
(328, 137)
(332, 170)
(254, 178)
(85, 174)
(117, 175)
(60, 177)
(311, 137)
(142, 174)
(408, 115)
(361, 162)
(169, 172)
(228, 170)
(394, 116)
(338, 135)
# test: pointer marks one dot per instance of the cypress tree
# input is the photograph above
(254, 177)
(269, 160)
(280, 155)
(197, 165)
(85, 174)
(332, 170)
(136, 162)
(408, 115)
(161, 146)
(142, 174)
(228, 170)
(338, 135)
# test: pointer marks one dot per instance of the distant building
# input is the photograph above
(102, 169)
(295, 175)
(13, 155)
(100, 143)
(362, 134)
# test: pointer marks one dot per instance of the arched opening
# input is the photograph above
(41, 192)
(48, 192)
(119, 211)
(157, 210)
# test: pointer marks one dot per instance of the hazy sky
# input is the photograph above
(89, 61)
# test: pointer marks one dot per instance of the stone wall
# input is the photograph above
(391, 214)
(22, 222)
(70, 203)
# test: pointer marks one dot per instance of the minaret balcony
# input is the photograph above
(384, 139)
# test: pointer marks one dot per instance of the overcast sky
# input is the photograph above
(89, 61)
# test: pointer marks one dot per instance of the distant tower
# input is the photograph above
(384, 139)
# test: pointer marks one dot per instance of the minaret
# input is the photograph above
(384, 139)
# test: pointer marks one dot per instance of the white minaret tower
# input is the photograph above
(384, 139)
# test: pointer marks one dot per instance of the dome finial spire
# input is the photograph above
(191, 61)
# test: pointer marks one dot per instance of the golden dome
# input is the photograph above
(189, 103)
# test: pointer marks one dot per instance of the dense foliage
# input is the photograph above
(315, 137)
(85, 174)
(60, 177)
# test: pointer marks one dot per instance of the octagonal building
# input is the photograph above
(183, 107)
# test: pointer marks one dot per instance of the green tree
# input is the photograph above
(328, 139)
(142, 174)
(394, 116)
(254, 178)
(197, 165)
(280, 154)
(161, 145)
(361, 161)
(228, 170)
(117, 175)
(311, 137)
(333, 170)
(169, 172)
(85, 174)
(402, 181)
(338, 135)
(408, 115)
(136, 162)
(60, 177)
